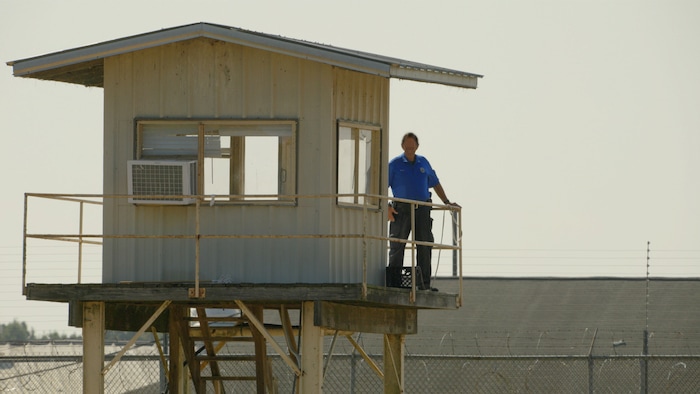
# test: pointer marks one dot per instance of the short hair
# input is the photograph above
(409, 135)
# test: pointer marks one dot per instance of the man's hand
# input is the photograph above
(391, 212)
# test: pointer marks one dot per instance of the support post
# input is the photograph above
(260, 351)
(175, 354)
(178, 383)
(393, 363)
(311, 380)
(93, 347)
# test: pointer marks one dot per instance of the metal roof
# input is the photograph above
(85, 65)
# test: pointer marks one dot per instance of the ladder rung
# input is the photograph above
(228, 377)
(216, 318)
(221, 339)
(225, 358)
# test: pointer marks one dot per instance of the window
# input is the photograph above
(358, 162)
(245, 160)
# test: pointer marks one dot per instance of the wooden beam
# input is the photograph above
(260, 350)
(289, 335)
(261, 328)
(178, 381)
(393, 364)
(347, 317)
(311, 379)
(365, 356)
(211, 351)
(93, 347)
(136, 336)
(121, 316)
(155, 293)
(163, 362)
(179, 322)
(289, 332)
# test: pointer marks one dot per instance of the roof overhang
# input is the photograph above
(85, 65)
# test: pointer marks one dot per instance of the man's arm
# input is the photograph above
(441, 193)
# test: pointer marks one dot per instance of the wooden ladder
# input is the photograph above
(203, 345)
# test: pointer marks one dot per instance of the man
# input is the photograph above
(411, 177)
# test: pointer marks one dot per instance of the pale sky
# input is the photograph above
(579, 146)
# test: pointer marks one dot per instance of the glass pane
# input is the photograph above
(261, 165)
(217, 169)
(171, 140)
(364, 163)
(346, 164)
(251, 129)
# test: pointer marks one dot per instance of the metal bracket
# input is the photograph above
(192, 292)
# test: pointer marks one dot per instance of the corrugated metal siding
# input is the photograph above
(209, 79)
(362, 98)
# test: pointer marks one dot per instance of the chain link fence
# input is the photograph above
(349, 373)
(64, 374)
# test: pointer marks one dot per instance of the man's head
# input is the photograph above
(409, 144)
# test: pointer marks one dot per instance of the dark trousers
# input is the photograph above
(401, 228)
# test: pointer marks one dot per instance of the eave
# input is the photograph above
(85, 65)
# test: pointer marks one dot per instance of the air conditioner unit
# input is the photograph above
(161, 179)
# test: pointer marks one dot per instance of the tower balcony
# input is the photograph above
(150, 252)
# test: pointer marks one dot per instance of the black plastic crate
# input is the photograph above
(401, 277)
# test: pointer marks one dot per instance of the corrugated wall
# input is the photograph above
(209, 79)
(365, 99)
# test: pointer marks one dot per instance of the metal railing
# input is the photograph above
(370, 202)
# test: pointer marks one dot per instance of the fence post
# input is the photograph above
(590, 374)
(644, 365)
(591, 364)
(353, 370)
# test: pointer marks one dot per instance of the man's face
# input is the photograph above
(409, 147)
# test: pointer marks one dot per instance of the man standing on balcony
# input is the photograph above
(411, 177)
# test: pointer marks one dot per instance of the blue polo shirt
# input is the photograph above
(411, 180)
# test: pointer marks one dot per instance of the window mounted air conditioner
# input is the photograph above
(161, 179)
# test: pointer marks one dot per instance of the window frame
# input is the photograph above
(287, 163)
(373, 180)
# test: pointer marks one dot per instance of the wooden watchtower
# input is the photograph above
(242, 171)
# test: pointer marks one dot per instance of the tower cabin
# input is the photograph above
(243, 171)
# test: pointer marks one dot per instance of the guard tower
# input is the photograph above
(242, 171)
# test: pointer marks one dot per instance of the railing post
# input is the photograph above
(364, 248)
(80, 244)
(24, 248)
(413, 253)
(459, 251)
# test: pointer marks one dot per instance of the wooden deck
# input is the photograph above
(339, 306)
(219, 293)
